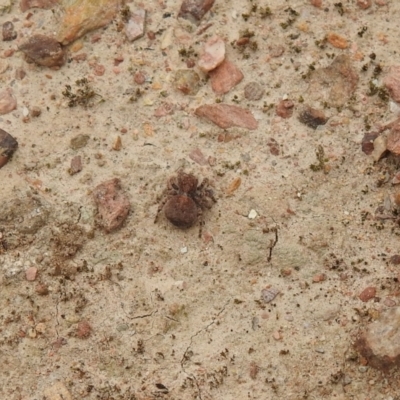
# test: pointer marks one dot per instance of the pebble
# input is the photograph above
(213, 54)
(8, 145)
(187, 81)
(380, 148)
(83, 330)
(393, 139)
(367, 294)
(31, 274)
(312, 117)
(233, 186)
(76, 165)
(135, 26)
(319, 278)
(252, 214)
(194, 10)
(277, 335)
(27, 4)
(225, 77)
(379, 342)
(253, 91)
(79, 141)
(197, 156)
(367, 143)
(392, 82)
(337, 40)
(84, 16)
(58, 391)
(227, 116)
(42, 289)
(112, 204)
(269, 294)
(8, 31)
(44, 51)
(184, 250)
(8, 102)
(364, 4)
(395, 260)
(285, 108)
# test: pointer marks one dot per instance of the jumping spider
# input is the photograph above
(184, 200)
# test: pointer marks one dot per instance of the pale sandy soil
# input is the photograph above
(174, 316)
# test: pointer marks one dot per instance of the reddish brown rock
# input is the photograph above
(367, 294)
(367, 143)
(27, 4)
(392, 82)
(379, 344)
(8, 145)
(393, 139)
(316, 3)
(227, 116)
(225, 77)
(44, 50)
(194, 10)
(285, 108)
(112, 204)
(312, 117)
(213, 54)
(8, 102)
(83, 330)
(76, 165)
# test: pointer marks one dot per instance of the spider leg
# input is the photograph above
(164, 200)
(201, 220)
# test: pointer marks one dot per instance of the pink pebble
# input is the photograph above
(31, 273)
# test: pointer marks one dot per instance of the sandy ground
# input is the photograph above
(154, 312)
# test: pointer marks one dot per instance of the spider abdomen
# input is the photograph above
(181, 211)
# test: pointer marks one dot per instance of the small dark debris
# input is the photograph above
(8, 31)
(8, 145)
(312, 117)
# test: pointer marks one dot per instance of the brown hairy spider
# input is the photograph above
(184, 200)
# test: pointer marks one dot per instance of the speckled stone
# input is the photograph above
(379, 343)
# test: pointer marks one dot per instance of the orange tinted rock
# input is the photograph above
(312, 117)
(225, 77)
(82, 16)
(112, 204)
(316, 3)
(337, 41)
(367, 294)
(227, 116)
